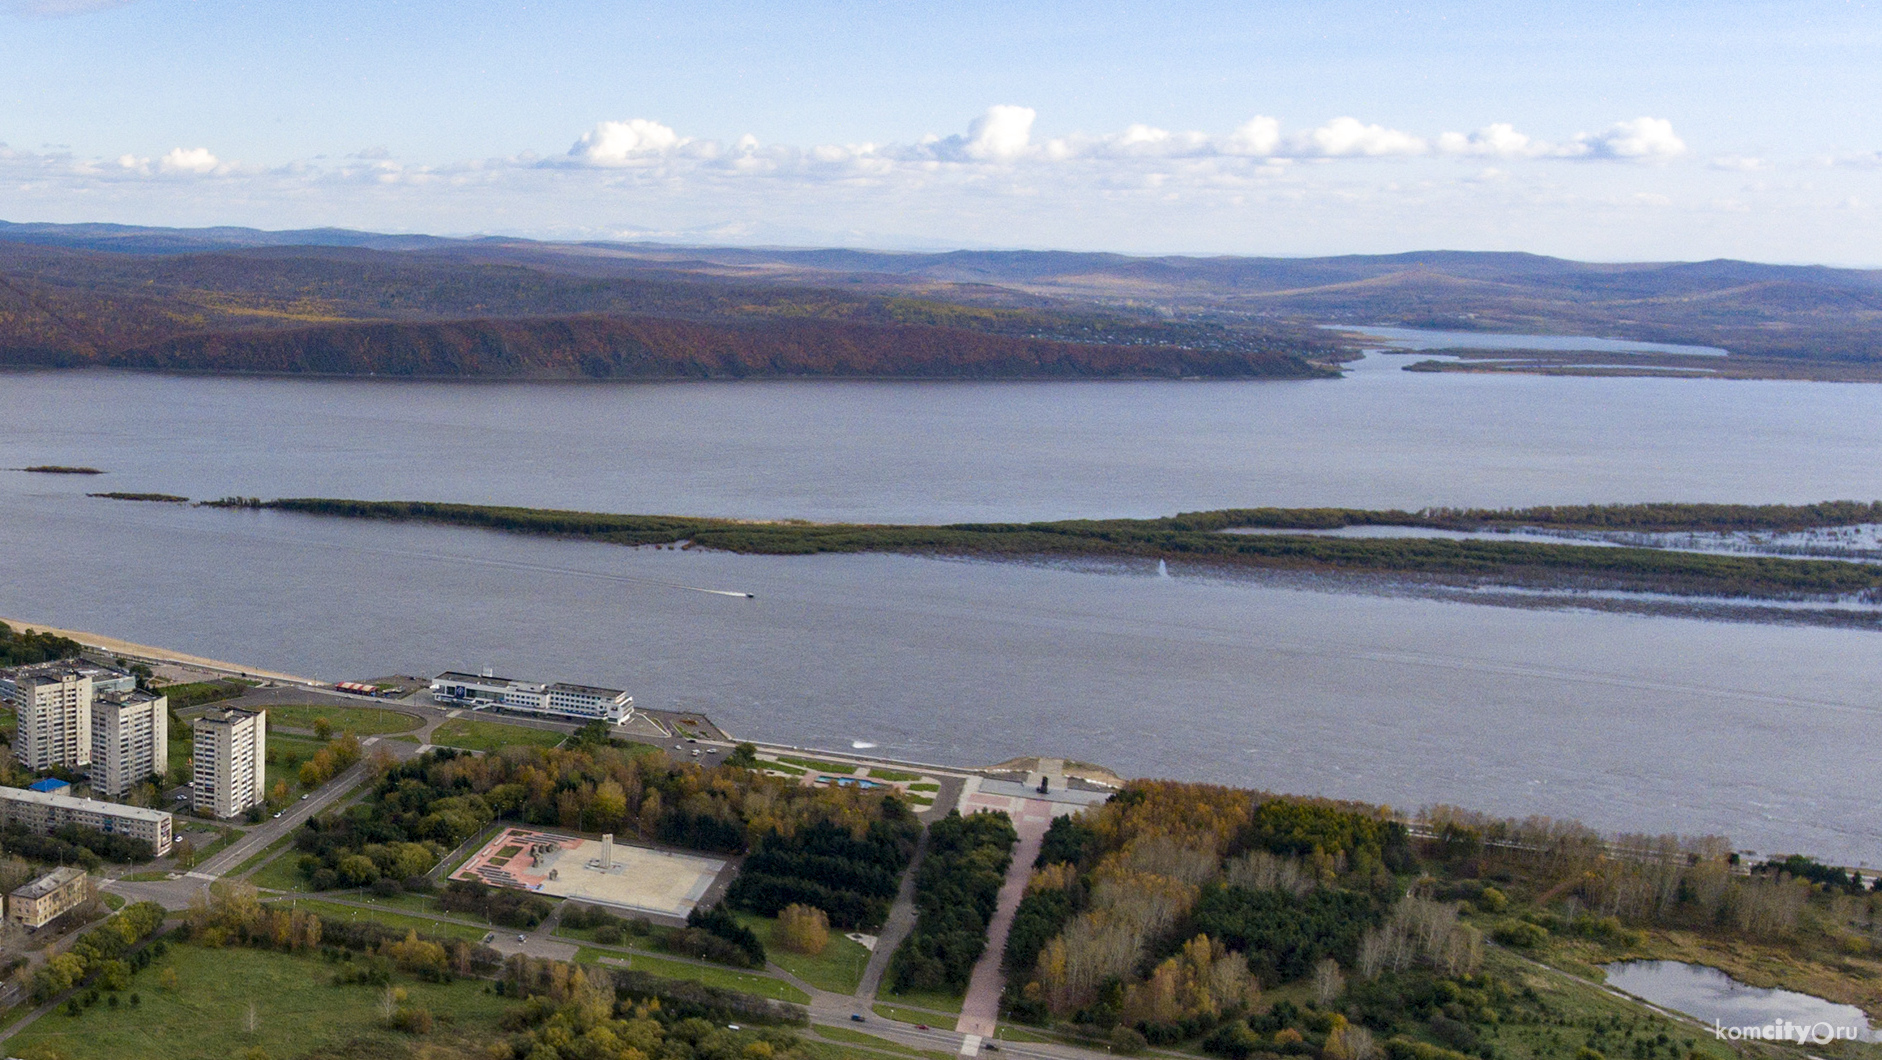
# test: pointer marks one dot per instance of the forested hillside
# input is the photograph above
(482, 310)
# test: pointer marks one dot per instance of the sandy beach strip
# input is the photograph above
(146, 653)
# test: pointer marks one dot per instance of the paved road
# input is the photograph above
(980, 1010)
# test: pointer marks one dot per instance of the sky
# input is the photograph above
(1592, 129)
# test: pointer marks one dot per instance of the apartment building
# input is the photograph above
(45, 812)
(52, 702)
(231, 761)
(130, 740)
(40, 902)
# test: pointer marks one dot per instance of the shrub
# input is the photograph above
(1126, 1041)
(1521, 935)
(803, 929)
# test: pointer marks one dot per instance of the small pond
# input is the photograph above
(1711, 996)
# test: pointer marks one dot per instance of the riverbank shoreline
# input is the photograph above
(149, 654)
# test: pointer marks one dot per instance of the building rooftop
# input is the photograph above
(589, 690)
(45, 798)
(48, 784)
(229, 715)
(453, 675)
(47, 672)
(49, 883)
(137, 696)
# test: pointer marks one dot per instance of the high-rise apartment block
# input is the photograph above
(53, 704)
(130, 741)
(231, 761)
(81, 716)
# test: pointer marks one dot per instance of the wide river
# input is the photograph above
(1652, 724)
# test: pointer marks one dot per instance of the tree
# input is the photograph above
(803, 929)
(185, 853)
(1328, 983)
(323, 729)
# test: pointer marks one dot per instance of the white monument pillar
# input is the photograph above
(607, 852)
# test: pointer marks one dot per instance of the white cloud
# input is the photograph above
(195, 160)
(1643, 139)
(1739, 163)
(1258, 136)
(1347, 137)
(1003, 132)
(624, 143)
(1500, 140)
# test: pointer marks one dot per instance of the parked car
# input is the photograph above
(857, 1017)
(488, 939)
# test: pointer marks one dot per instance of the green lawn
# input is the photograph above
(1576, 1009)
(296, 1008)
(917, 999)
(914, 1015)
(855, 1037)
(263, 855)
(361, 721)
(424, 925)
(729, 978)
(821, 767)
(282, 874)
(476, 735)
(838, 969)
(285, 755)
(114, 902)
(892, 775)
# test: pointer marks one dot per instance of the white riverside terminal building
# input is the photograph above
(557, 700)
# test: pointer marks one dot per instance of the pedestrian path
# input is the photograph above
(980, 1010)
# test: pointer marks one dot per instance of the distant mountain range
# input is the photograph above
(342, 302)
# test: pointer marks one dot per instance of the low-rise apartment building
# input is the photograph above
(42, 901)
(45, 812)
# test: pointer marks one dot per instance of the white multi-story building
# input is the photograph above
(231, 761)
(575, 702)
(52, 702)
(44, 812)
(130, 740)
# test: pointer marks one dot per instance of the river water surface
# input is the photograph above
(1627, 722)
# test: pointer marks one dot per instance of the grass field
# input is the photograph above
(1577, 1008)
(854, 1037)
(262, 855)
(729, 978)
(281, 874)
(891, 775)
(296, 1009)
(913, 1015)
(475, 735)
(839, 968)
(841, 768)
(423, 924)
(361, 721)
(936, 1002)
(285, 755)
